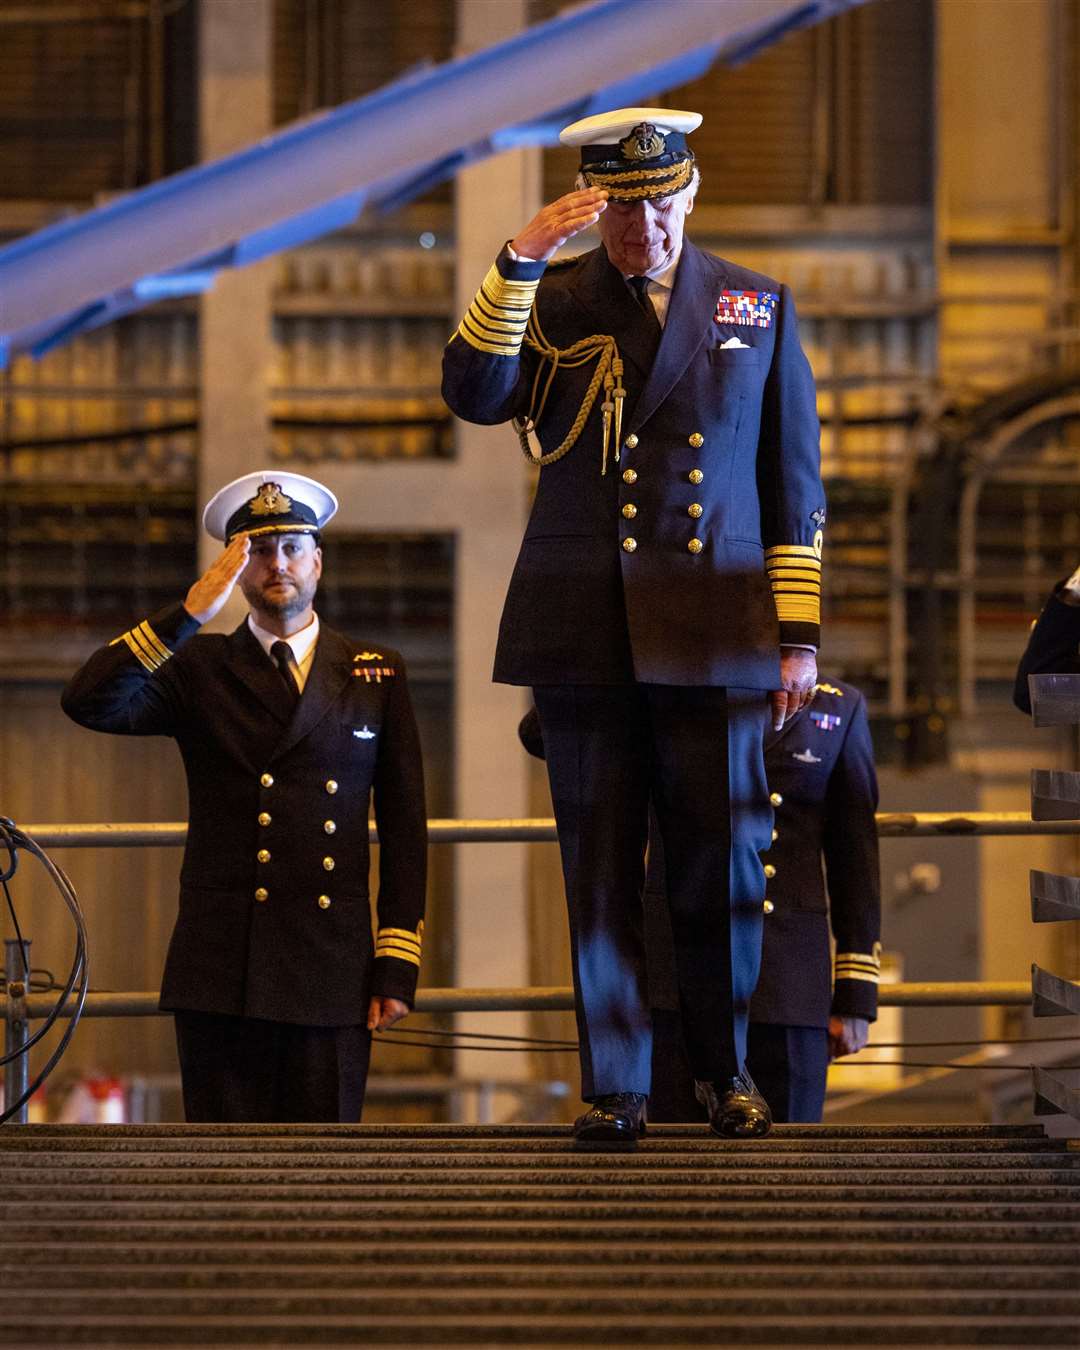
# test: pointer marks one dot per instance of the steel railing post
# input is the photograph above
(16, 1025)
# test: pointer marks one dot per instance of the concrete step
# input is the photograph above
(483, 1330)
(439, 1236)
(42, 1280)
(149, 1196)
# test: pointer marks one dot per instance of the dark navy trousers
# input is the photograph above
(247, 1069)
(696, 754)
(789, 1066)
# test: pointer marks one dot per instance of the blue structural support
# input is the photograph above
(318, 174)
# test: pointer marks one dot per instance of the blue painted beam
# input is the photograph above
(315, 176)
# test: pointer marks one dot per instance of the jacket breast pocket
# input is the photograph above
(730, 359)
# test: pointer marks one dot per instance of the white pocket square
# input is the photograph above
(734, 342)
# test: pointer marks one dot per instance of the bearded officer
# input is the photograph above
(287, 730)
(668, 581)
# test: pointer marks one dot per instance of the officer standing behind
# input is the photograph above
(822, 872)
(668, 580)
(1054, 644)
(287, 730)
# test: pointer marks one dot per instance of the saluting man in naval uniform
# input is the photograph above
(667, 584)
(287, 730)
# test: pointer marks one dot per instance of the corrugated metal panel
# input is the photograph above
(888, 67)
(754, 144)
(67, 94)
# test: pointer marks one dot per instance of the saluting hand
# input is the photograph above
(213, 588)
(798, 679)
(558, 222)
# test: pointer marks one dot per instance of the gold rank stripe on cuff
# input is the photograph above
(400, 943)
(145, 645)
(496, 320)
(857, 966)
(794, 572)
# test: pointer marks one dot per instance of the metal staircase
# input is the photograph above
(402, 1236)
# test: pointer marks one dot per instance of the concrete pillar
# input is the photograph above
(236, 315)
(493, 200)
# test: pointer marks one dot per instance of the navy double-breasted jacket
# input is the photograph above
(698, 551)
(274, 919)
(822, 870)
(1053, 647)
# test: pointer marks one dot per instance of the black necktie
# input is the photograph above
(284, 659)
(639, 285)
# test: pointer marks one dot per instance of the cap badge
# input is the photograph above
(270, 501)
(644, 142)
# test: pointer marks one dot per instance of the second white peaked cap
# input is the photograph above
(269, 501)
(610, 128)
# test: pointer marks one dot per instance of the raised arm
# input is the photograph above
(486, 378)
(129, 687)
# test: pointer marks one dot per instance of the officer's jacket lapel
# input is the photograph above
(772, 737)
(327, 678)
(690, 312)
(601, 290)
(249, 664)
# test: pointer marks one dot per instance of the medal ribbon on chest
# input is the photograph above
(752, 308)
(369, 673)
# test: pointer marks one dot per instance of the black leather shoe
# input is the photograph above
(618, 1118)
(737, 1110)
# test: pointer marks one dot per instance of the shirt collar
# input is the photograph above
(302, 643)
(665, 276)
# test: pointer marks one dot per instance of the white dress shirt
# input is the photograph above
(302, 645)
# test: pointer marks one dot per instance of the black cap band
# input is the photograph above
(270, 511)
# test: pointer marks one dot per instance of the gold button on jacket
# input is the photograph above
(629, 510)
(264, 817)
(629, 476)
(629, 545)
(331, 786)
(324, 902)
(263, 855)
(267, 780)
(262, 894)
(329, 826)
(695, 546)
(770, 871)
(776, 799)
(768, 906)
(328, 864)
(631, 442)
(696, 476)
(697, 440)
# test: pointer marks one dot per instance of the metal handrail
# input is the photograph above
(541, 829)
(560, 998)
